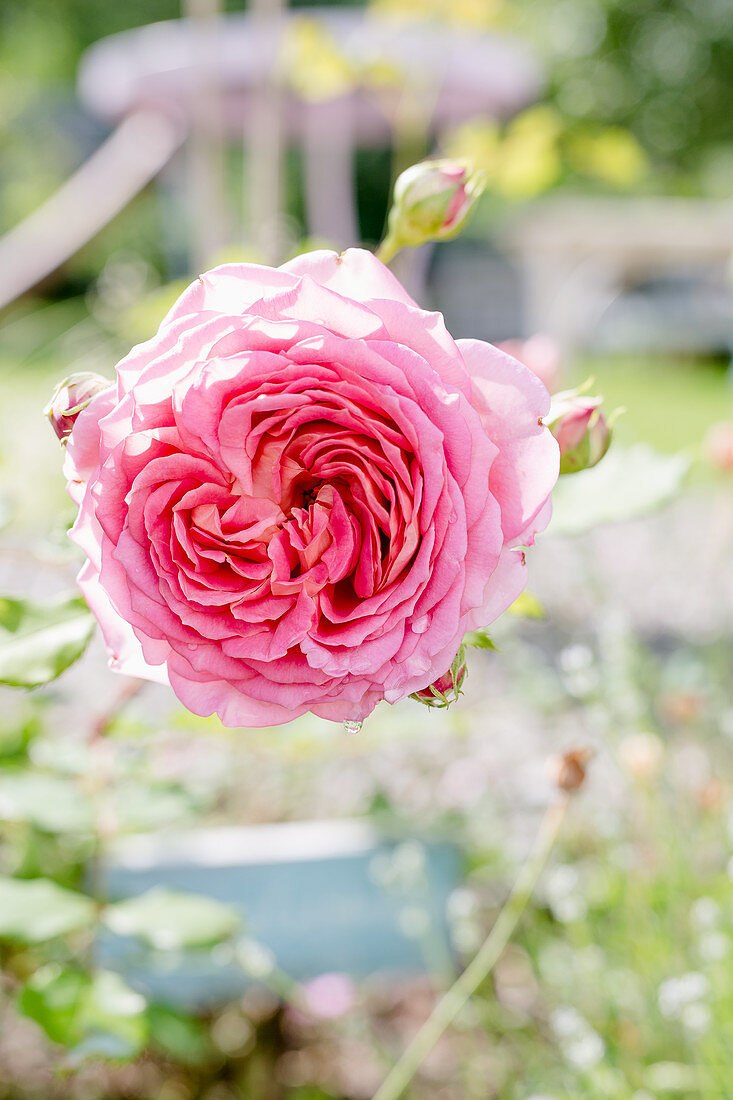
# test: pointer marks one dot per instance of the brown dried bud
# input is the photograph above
(570, 768)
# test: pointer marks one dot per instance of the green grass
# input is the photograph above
(669, 403)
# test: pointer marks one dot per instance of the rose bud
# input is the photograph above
(432, 201)
(70, 397)
(580, 428)
(569, 770)
(446, 689)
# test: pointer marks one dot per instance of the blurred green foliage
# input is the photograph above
(663, 69)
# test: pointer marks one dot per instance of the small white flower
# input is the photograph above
(580, 1044)
(566, 1021)
(675, 994)
(705, 912)
(696, 1018)
(573, 658)
(713, 946)
(565, 900)
(586, 1051)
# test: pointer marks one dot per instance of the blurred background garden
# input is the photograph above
(194, 913)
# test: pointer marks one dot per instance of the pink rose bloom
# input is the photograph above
(302, 492)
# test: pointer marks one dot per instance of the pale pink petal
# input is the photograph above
(512, 402)
(229, 289)
(355, 273)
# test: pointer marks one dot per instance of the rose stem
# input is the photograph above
(449, 1006)
(387, 250)
(99, 781)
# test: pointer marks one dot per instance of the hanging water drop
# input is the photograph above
(352, 725)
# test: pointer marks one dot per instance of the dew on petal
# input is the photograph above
(352, 725)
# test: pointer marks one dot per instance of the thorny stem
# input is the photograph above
(450, 1005)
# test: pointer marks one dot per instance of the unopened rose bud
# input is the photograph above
(580, 428)
(432, 201)
(446, 689)
(570, 768)
(70, 397)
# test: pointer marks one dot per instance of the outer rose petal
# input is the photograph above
(355, 273)
(512, 402)
(125, 653)
(229, 288)
(302, 492)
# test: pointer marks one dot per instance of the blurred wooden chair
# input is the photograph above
(209, 79)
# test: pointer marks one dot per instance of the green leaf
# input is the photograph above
(142, 806)
(38, 641)
(112, 1020)
(170, 920)
(95, 1016)
(53, 998)
(50, 802)
(180, 1037)
(34, 910)
(624, 485)
(16, 736)
(527, 606)
(478, 639)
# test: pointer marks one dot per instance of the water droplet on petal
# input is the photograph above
(352, 725)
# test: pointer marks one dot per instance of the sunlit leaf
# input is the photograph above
(52, 998)
(317, 69)
(626, 484)
(179, 1036)
(50, 802)
(170, 920)
(527, 606)
(39, 640)
(139, 806)
(34, 910)
(94, 1016)
(611, 154)
(112, 1020)
(478, 639)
